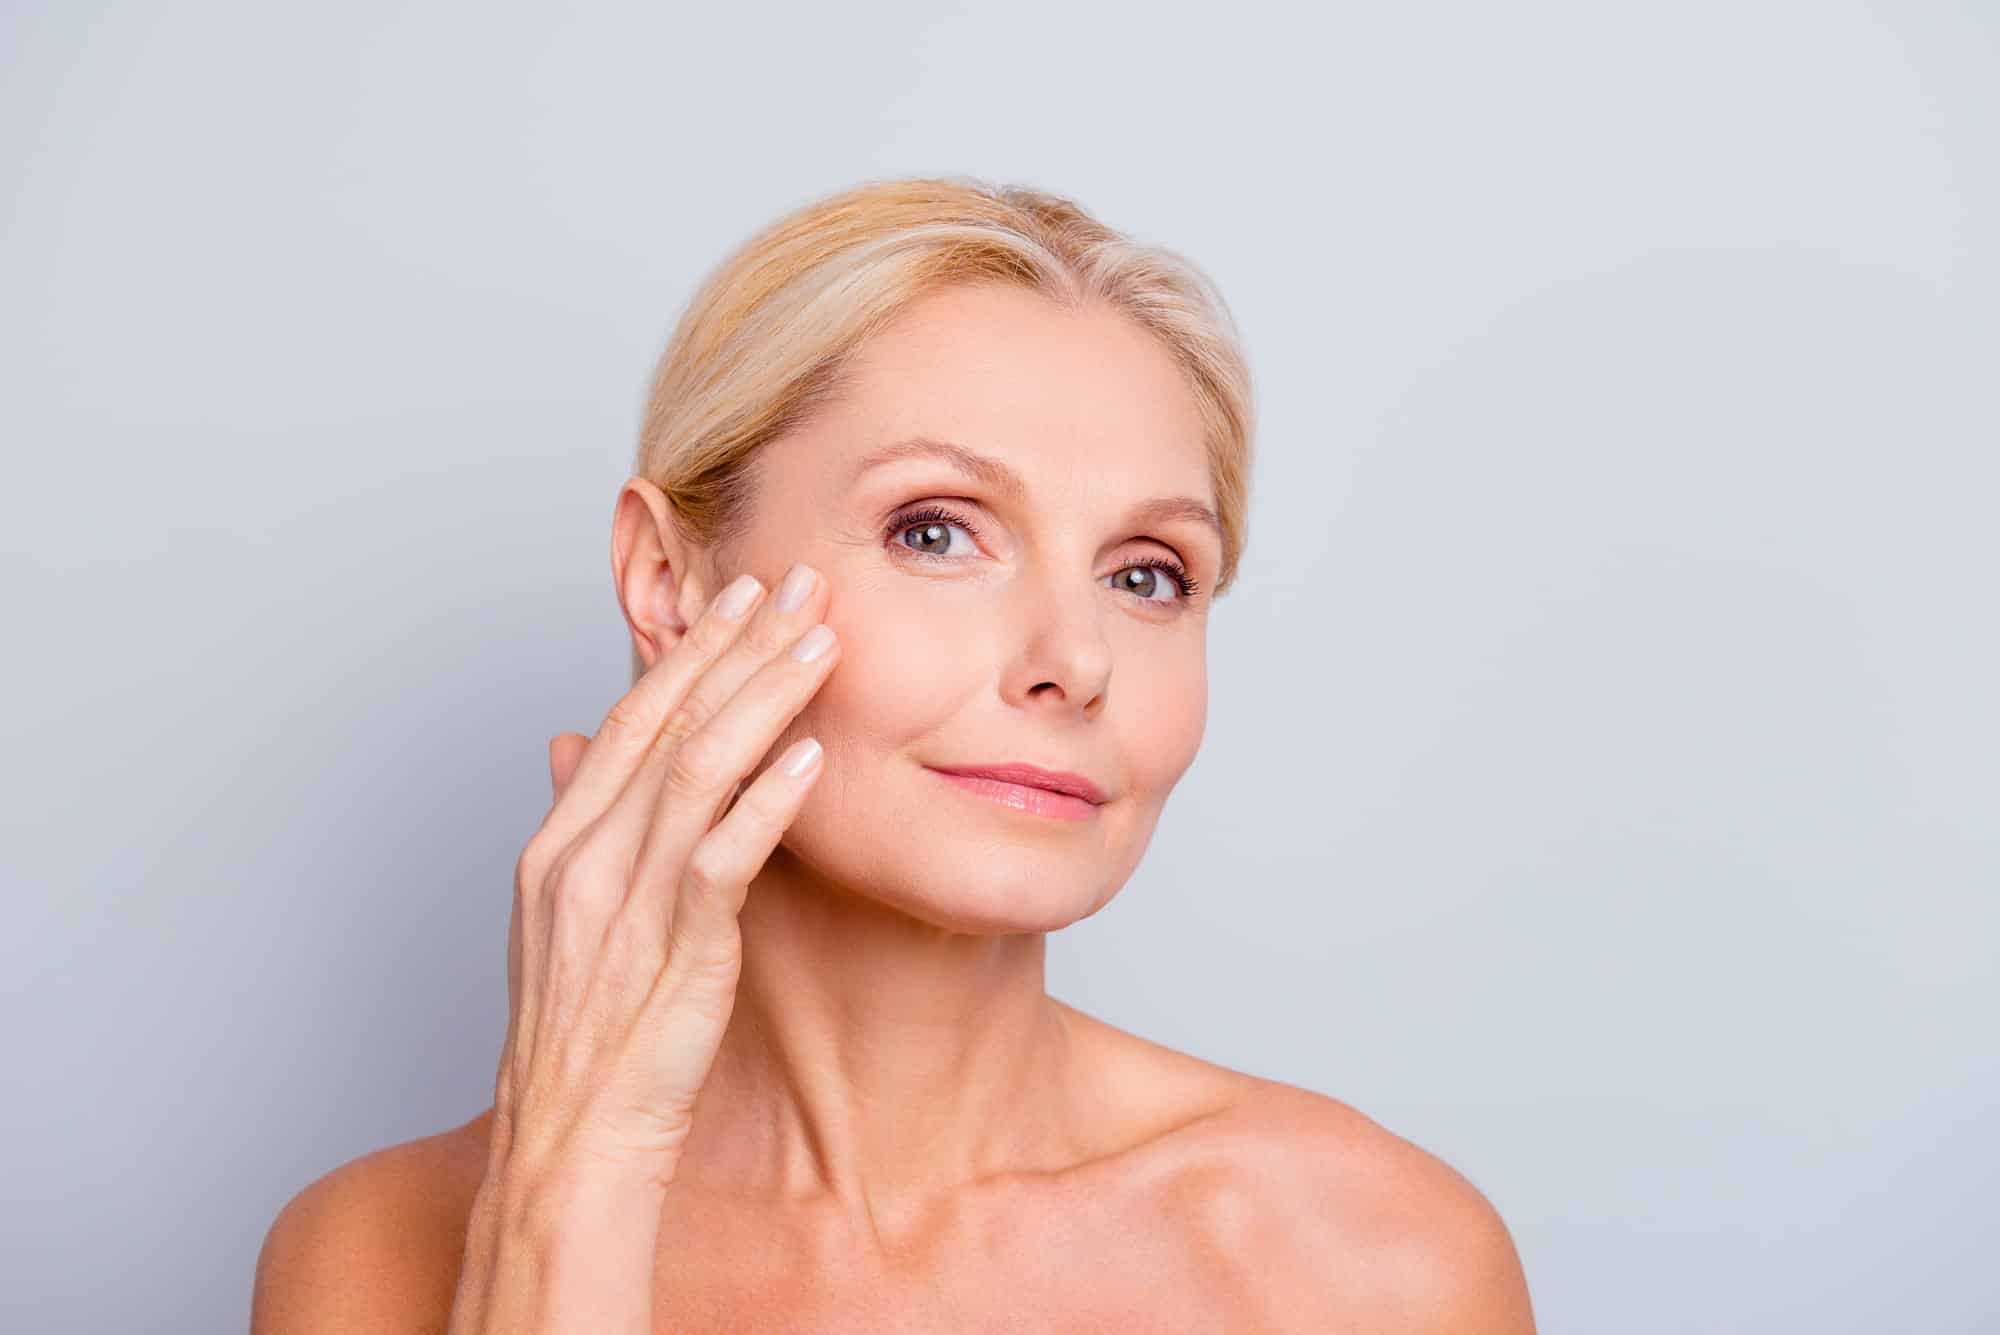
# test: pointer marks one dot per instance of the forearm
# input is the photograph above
(562, 1258)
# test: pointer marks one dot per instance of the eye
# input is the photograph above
(933, 525)
(1148, 578)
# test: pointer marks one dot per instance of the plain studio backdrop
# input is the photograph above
(1599, 780)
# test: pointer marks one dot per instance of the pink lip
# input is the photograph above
(1029, 788)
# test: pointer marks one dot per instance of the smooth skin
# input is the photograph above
(863, 1109)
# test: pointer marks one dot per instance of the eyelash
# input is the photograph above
(927, 514)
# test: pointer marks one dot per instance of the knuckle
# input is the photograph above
(692, 767)
(633, 948)
(538, 855)
(623, 718)
(682, 722)
(708, 870)
(703, 972)
(585, 876)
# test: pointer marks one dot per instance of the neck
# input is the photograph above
(878, 1060)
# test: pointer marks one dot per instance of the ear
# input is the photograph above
(661, 584)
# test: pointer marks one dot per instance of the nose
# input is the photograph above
(1064, 657)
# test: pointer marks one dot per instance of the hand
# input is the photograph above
(623, 950)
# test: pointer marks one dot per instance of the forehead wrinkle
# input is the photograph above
(1003, 479)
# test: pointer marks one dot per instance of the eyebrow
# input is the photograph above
(1009, 483)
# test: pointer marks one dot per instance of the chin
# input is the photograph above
(958, 876)
(999, 905)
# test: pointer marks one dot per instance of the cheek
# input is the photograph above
(1166, 712)
(906, 665)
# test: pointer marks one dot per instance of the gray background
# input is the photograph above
(1599, 780)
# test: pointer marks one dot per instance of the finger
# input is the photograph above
(771, 631)
(630, 726)
(726, 859)
(705, 770)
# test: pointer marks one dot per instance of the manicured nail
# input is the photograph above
(798, 583)
(736, 599)
(813, 643)
(801, 757)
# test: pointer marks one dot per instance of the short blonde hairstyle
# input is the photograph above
(766, 337)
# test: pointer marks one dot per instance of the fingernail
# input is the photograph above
(798, 583)
(736, 599)
(801, 757)
(813, 643)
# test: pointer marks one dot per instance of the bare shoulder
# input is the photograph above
(1300, 1209)
(374, 1244)
(1342, 1223)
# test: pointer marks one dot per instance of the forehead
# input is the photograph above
(1072, 394)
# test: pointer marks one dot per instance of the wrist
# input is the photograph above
(570, 1251)
(545, 1208)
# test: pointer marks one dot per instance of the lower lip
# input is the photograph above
(1036, 801)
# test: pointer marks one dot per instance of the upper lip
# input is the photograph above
(1032, 776)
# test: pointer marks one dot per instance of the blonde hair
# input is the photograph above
(765, 339)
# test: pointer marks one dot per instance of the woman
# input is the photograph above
(779, 1054)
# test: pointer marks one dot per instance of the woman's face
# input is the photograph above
(1023, 628)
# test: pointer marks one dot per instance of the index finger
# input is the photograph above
(631, 724)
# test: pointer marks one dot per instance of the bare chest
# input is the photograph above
(1069, 1293)
(1081, 1268)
